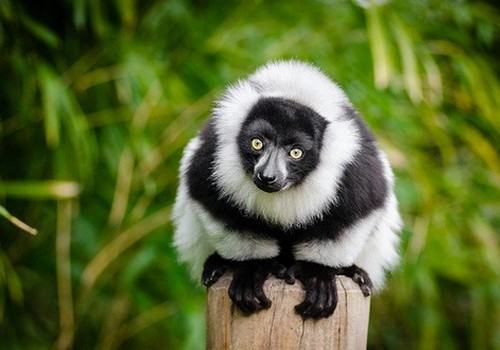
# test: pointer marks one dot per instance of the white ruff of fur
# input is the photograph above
(306, 85)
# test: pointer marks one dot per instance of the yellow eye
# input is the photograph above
(296, 153)
(257, 144)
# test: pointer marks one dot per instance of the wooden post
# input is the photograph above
(280, 327)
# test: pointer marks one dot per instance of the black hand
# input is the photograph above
(321, 290)
(213, 269)
(246, 289)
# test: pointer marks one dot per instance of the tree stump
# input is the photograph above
(280, 327)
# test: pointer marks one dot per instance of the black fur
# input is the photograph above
(362, 189)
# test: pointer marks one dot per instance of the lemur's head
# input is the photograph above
(285, 134)
(279, 143)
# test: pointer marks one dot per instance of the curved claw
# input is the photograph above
(359, 276)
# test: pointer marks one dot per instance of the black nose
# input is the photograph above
(267, 179)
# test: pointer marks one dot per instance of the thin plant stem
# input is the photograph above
(63, 266)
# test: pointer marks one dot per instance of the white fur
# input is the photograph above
(343, 251)
(370, 243)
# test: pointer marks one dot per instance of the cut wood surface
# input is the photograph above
(280, 327)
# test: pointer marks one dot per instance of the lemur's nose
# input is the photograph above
(267, 179)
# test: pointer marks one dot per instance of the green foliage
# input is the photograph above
(99, 98)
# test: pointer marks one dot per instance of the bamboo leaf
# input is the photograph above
(434, 93)
(17, 222)
(10, 281)
(40, 31)
(50, 102)
(127, 11)
(122, 188)
(411, 77)
(63, 116)
(50, 189)
(380, 47)
(79, 13)
(483, 148)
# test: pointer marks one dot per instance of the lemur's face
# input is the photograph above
(280, 142)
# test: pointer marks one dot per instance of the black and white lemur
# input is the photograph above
(285, 179)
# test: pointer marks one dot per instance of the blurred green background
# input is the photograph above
(98, 98)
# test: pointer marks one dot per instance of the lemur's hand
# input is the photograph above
(246, 289)
(320, 286)
(321, 291)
